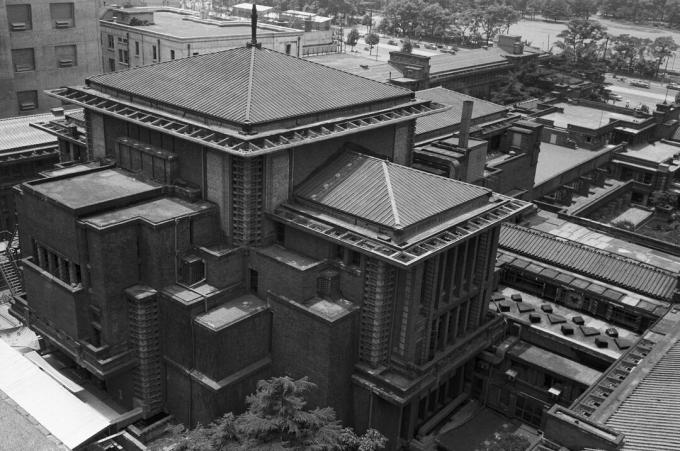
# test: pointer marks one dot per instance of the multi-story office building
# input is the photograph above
(257, 224)
(134, 37)
(44, 45)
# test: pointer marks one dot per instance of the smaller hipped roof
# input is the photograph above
(384, 193)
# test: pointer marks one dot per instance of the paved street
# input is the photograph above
(635, 96)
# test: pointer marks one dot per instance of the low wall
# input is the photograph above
(623, 234)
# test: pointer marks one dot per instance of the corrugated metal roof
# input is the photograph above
(453, 115)
(598, 264)
(17, 134)
(385, 193)
(59, 411)
(649, 416)
(249, 85)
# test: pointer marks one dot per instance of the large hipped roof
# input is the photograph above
(248, 86)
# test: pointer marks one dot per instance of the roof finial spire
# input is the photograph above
(253, 29)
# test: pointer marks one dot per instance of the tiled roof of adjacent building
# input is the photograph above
(249, 86)
(17, 134)
(385, 193)
(453, 115)
(639, 396)
(648, 417)
(602, 265)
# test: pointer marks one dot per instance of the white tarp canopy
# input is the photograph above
(59, 411)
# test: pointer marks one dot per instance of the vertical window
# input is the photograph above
(23, 60)
(111, 42)
(123, 56)
(62, 15)
(172, 54)
(112, 65)
(66, 55)
(136, 48)
(154, 52)
(28, 100)
(19, 17)
(288, 47)
(253, 280)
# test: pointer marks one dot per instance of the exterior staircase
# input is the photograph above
(9, 268)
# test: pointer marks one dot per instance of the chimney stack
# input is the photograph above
(465, 119)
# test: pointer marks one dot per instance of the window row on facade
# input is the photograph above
(20, 17)
(57, 265)
(23, 60)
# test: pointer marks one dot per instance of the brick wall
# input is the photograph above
(226, 351)
(53, 227)
(284, 279)
(304, 344)
(112, 257)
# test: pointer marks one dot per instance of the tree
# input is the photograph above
(494, 18)
(580, 39)
(662, 47)
(583, 8)
(276, 419)
(555, 10)
(352, 38)
(366, 20)
(372, 39)
(406, 47)
(626, 50)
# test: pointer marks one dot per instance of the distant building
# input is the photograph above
(228, 245)
(487, 146)
(573, 311)
(24, 153)
(133, 37)
(318, 36)
(586, 142)
(45, 45)
(471, 71)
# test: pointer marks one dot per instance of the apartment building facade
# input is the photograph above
(45, 45)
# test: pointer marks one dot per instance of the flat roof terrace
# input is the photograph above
(551, 323)
(555, 363)
(587, 117)
(231, 312)
(658, 152)
(182, 26)
(554, 160)
(154, 212)
(93, 188)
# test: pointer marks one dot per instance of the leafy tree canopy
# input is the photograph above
(276, 419)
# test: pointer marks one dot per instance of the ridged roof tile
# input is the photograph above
(248, 84)
(602, 265)
(649, 415)
(16, 133)
(453, 115)
(385, 193)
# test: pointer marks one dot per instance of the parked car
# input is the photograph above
(640, 83)
(615, 96)
(415, 45)
(392, 42)
(675, 86)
